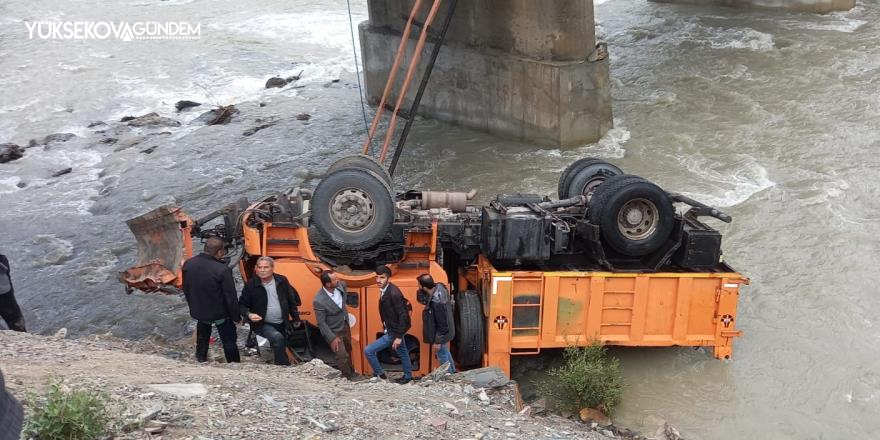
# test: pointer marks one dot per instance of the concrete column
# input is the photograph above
(817, 6)
(516, 68)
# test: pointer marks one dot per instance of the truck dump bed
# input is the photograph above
(533, 310)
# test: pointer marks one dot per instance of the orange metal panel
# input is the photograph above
(658, 309)
(252, 240)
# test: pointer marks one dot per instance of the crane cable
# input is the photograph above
(356, 67)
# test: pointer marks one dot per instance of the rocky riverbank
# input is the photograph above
(166, 398)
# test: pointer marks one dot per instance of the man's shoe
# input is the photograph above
(403, 380)
(382, 376)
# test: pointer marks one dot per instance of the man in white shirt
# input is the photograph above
(332, 316)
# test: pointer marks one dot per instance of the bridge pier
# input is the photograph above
(817, 6)
(515, 68)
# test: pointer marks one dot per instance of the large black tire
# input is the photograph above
(470, 329)
(352, 208)
(634, 215)
(361, 161)
(583, 176)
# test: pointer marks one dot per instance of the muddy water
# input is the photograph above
(772, 116)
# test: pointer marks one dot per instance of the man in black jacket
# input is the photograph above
(394, 311)
(210, 293)
(436, 297)
(9, 309)
(270, 304)
(11, 414)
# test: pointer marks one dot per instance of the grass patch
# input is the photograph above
(66, 413)
(589, 378)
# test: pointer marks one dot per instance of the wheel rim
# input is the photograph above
(351, 209)
(591, 186)
(638, 219)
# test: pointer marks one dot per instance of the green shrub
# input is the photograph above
(589, 378)
(67, 414)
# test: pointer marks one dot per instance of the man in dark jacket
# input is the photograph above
(270, 304)
(11, 414)
(332, 316)
(9, 309)
(436, 297)
(394, 311)
(210, 293)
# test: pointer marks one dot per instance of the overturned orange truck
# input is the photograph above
(611, 260)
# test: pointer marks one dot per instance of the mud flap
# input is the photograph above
(164, 242)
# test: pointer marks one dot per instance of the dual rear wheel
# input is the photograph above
(634, 215)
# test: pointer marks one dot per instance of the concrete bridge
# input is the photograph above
(526, 69)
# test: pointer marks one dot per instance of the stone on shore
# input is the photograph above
(10, 152)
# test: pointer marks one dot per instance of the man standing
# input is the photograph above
(270, 304)
(394, 311)
(9, 310)
(11, 414)
(332, 316)
(210, 293)
(436, 297)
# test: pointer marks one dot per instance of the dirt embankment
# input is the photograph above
(255, 401)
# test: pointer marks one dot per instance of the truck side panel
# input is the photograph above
(530, 311)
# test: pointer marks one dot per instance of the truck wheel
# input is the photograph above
(634, 215)
(470, 331)
(583, 177)
(361, 161)
(352, 208)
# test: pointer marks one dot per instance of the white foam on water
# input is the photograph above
(610, 146)
(72, 193)
(9, 185)
(836, 22)
(324, 28)
(99, 267)
(733, 182)
(54, 250)
(742, 39)
(695, 32)
(15, 108)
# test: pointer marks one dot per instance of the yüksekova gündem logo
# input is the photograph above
(103, 30)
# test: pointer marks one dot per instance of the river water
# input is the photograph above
(774, 117)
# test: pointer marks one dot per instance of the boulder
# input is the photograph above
(50, 139)
(183, 105)
(62, 172)
(58, 137)
(488, 377)
(10, 152)
(667, 432)
(218, 116)
(590, 415)
(180, 389)
(152, 120)
(276, 82)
